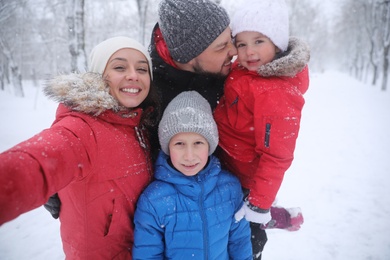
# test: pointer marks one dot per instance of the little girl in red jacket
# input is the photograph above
(259, 116)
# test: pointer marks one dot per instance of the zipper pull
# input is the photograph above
(140, 137)
(267, 134)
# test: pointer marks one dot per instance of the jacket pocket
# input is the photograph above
(239, 116)
(117, 219)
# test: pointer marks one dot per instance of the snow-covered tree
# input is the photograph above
(41, 38)
(365, 29)
(76, 34)
(142, 6)
(10, 68)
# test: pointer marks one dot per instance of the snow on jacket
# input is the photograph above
(258, 121)
(180, 217)
(92, 157)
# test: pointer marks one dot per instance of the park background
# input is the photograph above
(340, 176)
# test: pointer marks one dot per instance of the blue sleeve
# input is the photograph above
(240, 245)
(148, 233)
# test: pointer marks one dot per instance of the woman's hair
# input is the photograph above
(151, 107)
(150, 118)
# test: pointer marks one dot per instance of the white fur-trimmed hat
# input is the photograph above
(102, 52)
(188, 112)
(268, 17)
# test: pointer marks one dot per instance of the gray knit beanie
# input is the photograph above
(188, 112)
(190, 26)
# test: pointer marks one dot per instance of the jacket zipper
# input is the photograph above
(204, 218)
(144, 147)
(267, 134)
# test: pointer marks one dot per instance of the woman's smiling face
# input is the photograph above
(128, 76)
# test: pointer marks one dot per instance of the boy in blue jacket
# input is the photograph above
(188, 211)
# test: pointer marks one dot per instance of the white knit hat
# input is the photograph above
(102, 52)
(268, 17)
(188, 112)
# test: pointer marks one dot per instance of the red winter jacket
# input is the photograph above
(94, 162)
(258, 121)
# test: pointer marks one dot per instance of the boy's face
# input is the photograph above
(189, 152)
(254, 49)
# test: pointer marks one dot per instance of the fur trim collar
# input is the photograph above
(292, 61)
(85, 92)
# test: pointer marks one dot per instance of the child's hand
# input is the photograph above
(252, 216)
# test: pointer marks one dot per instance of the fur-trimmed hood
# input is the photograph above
(292, 61)
(83, 92)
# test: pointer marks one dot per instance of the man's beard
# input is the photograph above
(199, 70)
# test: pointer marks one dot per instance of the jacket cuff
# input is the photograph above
(255, 208)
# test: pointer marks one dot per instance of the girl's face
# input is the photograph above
(189, 152)
(128, 76)
(254, 50)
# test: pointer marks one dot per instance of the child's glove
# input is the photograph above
(251, 215)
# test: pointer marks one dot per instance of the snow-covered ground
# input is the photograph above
(340, 176)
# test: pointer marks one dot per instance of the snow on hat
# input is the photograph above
(268, 17)
(188, 112)
(190, 26)
(102, 52)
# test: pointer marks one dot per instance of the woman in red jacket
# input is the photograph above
(259, 116)
(95, 155)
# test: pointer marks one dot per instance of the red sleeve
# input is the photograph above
(37, 168)
(277, 120)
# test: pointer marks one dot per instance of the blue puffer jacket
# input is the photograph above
(181, 217)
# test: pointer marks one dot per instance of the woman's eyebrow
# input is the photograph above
(120, 59)
(124, 59)
(143, 61)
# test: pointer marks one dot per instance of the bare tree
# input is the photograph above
(367, 49)
(48, 38)
(8, 63)
(303, 21)
(35, 34)
(16, 76)
(377, 24)
(76, 33)
(384, 7)
(143, 11)
(370, 12)
(2, 85)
